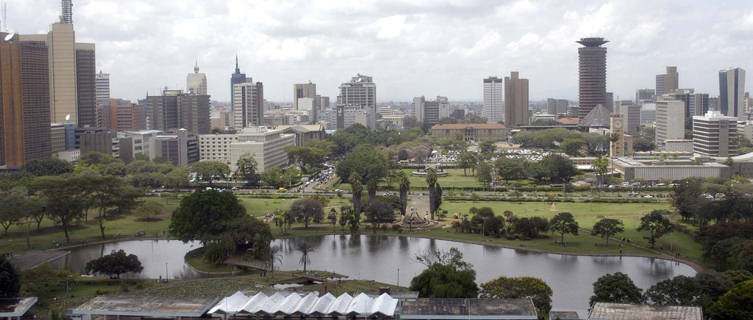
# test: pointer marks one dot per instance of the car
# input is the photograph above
(648, 196)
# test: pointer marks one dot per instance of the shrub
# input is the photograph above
(218, 251)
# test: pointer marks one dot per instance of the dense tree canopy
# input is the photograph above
(657, 225)
(607, 227)
(115, 264)
(47, 167)
(446, 276)
(203, 215)
(10, 282)
(366, 162)
(514, 288)
(306, 210)
(564, 223)
(616, 288)
(210, 171)
(735, 304)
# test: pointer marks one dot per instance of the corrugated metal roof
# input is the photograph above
(310, 304)
(619, 311)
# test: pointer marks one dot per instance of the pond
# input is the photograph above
(391, 259)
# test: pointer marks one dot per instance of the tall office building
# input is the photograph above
(103, 88)
(631, 116)
(121, 115)
(645, 95)
(445, 109)
(493, 104)
(62, 53)
(67, 16)
(516, 101)
(418, 108)
(24, 102)
(592, 74)
(86, 84)
(236, 78)
(360, 91)
(715, 134)
(668, 82)
(731, 91)
(248, 107)
(196, 82)
(303, 90)
(175, 110)
(557, 107)
(668, 126)
(699, 104)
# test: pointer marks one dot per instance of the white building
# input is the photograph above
(103, 88)
(715, 134)
(493, 104)
(360, 91)
(670, 121)
(266, 145)
(248, 104)
(142, 142)
(196, 82)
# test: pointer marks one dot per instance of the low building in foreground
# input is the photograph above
(294, 305)
(16, 308)
(620, 311)
(471, 131)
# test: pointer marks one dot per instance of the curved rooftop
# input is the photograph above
(592, 42)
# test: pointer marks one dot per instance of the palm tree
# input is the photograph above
(356, 188)
(431, 181)
(404, 187)
(600, 167)
(274, 256)
(305, 249)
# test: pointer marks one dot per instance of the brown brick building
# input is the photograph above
(24, 102)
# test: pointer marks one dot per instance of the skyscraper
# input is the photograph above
(644, 94)
(715, 134)
(174, 110)
(24, 102)
(248, 107)
(303, 90)
(360, 91)
(669, 125)
(103, 88)
(86, 86)
(493, 104)
(731, 92)
(196, 82)
(67, 14)
(516, 101)
(668, 82)
(62, 46)
(592, 74)
(235, 78)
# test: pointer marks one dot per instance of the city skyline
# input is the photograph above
(146, 46)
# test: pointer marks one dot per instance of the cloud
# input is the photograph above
(411, 48)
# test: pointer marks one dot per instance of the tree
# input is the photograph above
(564, 223)
(306, 156)
(108, 192)
(572, 146)
(487, 148)
(616, 288)
(177, 179)
(467, 160)
(600, 165)
(203, 215)
(10, 284)
(274, 177)
(115, 264)
(369, 164)
(210, 171)
(47, 167)
(10, 213)
(656, 224)
(523, 287)
(484, 173)
(65, 197)
(380, 211)
(305, 248)
(735, 304)
(246, 233)
(246, 170)
(559, 168)
(687, 197)
(678, 291)
(446, 276)
(150, 208)
(431, 182)
(713, 285)
(95, 158)
(510, 168)
(404, 188)
(356, 189)
(306, 210)
(606, 228)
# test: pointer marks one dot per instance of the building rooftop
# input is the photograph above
(619, 311)
(430, 308)
(492, 125)
(568, 121)
(563, 315)
(597, 117)
(146, 306)
(592, 42)
(311, 304)
(15, 307)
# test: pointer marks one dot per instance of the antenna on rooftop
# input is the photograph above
(5, 17)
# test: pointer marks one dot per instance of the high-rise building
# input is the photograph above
(98, 140)
(493, 104)
(418, 108)
(62, 53)
(175, 110)
(557, 107)
(645, 95)
(516, 101)
(121, 115)
(196, 82)
(668, 123)
(668, 82)
(248, 107)
(303, 90)
(731, 91)
(427, 111)
(445, 109)
(24, 102)
(67, 16)
(103, 88)
(715, 134)
(86, 84)
(360, 91)
(180, 148)
(631, 115)
(609, 101)
(592, 74)
(699, 104)
(236, 78)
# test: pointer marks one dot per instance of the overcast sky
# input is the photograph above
(411, 48)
